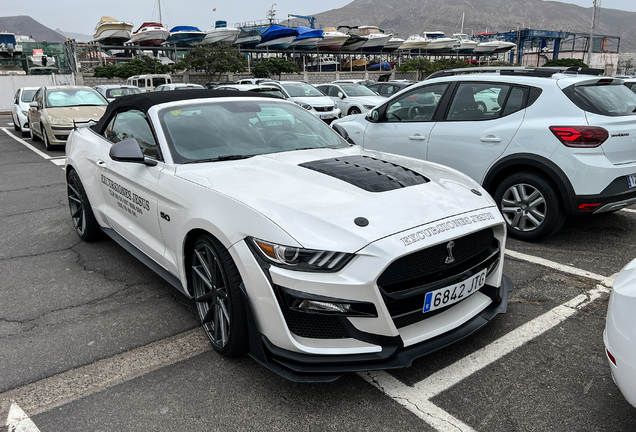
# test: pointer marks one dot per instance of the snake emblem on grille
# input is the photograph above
(449, 248)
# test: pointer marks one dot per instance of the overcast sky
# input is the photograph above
(81, 16)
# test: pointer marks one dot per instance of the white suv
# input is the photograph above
(550, 142)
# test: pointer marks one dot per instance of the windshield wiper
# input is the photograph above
(222, 158)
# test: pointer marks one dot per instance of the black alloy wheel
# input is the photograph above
(217, 293)
(354, 110)
(82, 215)
(530, 206)
(481, 106)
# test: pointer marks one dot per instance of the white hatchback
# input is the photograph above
(546, 143)
(351, 98)
(20, 108)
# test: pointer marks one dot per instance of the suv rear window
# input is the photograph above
(609, 98)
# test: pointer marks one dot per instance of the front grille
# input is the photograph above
(324, 109)
(61, 137)
(406, 281)
(429, 265)
(311, 325)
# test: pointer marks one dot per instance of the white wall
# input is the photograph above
(9, 84)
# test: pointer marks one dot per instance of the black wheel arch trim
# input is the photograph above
(538, 164)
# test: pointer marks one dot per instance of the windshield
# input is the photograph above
(356, 90)
(27, 95)
(73, 97)
(117, 92)
(612, 99)
(216, 130)
(301, 90)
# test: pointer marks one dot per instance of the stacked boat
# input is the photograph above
(110, 31)
(184, 36)
(150, 34)
(221, 34)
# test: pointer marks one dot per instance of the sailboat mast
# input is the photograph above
(159, 1)
(462, 23)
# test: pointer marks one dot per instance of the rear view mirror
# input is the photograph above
(373, 116)
(128, 150)
(33, 104)
(341, 95)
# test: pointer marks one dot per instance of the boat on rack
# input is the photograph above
(277, 37)
(354, 42)
(8, 45)
(415, 42)
(150, 34)
(184, 36)
(332, 39)
(439, 43)
(221, 34)
(249, 37)
(110, 31)
(490, 45)
(376, 39)
(307, 38)
(466, 44)
(322, 64)
(393, 44)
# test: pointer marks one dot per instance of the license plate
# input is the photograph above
(326, 116)
(631, 180)
(452, 294)
(273, 123)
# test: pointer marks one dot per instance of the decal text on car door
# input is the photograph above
(126, 200)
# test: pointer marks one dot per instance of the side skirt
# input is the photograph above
(149, 262)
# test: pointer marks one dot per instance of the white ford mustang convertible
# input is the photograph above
(313, 255)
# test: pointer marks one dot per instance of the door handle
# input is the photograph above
(490, 138)
(417, 137)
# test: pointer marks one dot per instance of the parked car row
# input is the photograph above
(326, 275)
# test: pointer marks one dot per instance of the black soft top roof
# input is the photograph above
(145, 101)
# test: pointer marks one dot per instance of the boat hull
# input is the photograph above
(309, 43)
(278, 43)
(150, 38)
(112, 36)
(220, 36)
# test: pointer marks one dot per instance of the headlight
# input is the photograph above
(59, 121)
(24, 112)
(304, 105)
(369, 107)
(301, 259)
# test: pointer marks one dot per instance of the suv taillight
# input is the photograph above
(580, 136)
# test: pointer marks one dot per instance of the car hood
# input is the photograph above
(78, 113)
(318, 210)
(314, 100)
(369, 100)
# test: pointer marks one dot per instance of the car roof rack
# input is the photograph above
(519, 70)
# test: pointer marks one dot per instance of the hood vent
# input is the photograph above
(370, 174)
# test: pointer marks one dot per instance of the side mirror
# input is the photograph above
(128, 150)
(341, 95)
(343, 133)
(33, 104)
(373, 116)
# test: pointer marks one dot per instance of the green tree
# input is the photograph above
(213, 60)
(565, 62)
(145, 65)
(274, 66)
(421, 65)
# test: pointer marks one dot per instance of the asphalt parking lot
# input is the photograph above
(92, 340)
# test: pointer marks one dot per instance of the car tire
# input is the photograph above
(15, 125)
(215, 285)
(45, 138)
(530, 206)
(481, 107)
(34, 137)
(354, 110)
(82, 215)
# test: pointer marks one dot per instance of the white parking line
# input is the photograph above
(417, 398)
(29, 146)
(607, 281)
(628, 210)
